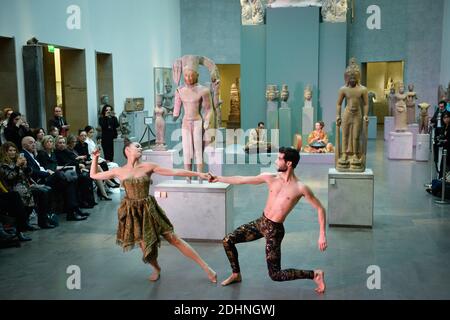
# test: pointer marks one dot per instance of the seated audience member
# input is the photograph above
(38, 135)
(54, 179)
(15, 175)
(318, 140)
(257, 141)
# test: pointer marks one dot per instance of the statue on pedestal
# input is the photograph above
(411, 98)
(307, 94)
(272, 95)
(391, 100)
(252, 12)
(372, 100)
(334, 10)
(234, 119)
(194, 97)
(167, 97)
(160, 124)
(284, 96)
(401, 117)
(424, 117)
(351, 155)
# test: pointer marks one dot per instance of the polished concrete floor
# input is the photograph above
(409, 242)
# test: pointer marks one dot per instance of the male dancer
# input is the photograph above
(285, 190)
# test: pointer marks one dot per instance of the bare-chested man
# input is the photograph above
(285, 190)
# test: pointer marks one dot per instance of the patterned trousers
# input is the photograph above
(273, 233)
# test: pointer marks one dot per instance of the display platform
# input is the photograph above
(163, 159)
(350, 199)
(414, 129)
(389, 126)
(423, 147)
(373, 122)
(317, 158)
(197, 211)
(400, 146)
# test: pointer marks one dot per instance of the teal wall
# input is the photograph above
(332, 65)
(411, 30)
(253, 75)
(445, 56)
(211, 28)
(140, 34)
(293, 55)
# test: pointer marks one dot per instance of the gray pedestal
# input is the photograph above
(373, 128)
(307, 120)
(285, 126)
(350, 199)
(423, 147)
(197, 211)
(389, 126)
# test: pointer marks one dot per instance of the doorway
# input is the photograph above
(105, 84)
(8, 74)
(378, 77)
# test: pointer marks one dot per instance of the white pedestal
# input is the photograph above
(197, 211)
(214, 160)
(414, 129)
(400, 146)
(161, 158)
(389, 126)
(350, 198)
(373, 127)
(423, 147)
(317, 158)
(307, 121)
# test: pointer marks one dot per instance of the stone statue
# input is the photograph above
(246, 13)
(390, 84)
(354, 123)
(160, 124)
(124, 125)
(194, 97)
(307, 94)
(401, 117)
(272, 96)
(167, 97)
(372, 100)
(217, 103)
(334, 10)
(391, 100)
(234, 119)
(258, 12)
(104, 100)
(284, 93)
(424, 117)
(411, 98)
(272, 92)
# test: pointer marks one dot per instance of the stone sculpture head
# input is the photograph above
(352, 73)
(401, 88)
(190, 69)
(159, 99)
(307, 93)
(104, 99)
(410, 87)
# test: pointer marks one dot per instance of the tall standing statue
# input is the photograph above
(401, 117)
(411, 98)
(160, 124)
(234, 119)
(424, 117)
(351, 155)
(194, 97)
(391, 100)
(372, 100)
(167, 97)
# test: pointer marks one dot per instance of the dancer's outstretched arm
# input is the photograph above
(105, 175)
(175, 172)
(262, 178)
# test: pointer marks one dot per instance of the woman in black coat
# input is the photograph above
(109, 125)
(16, 129)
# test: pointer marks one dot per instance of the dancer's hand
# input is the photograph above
(96, 153)
(213, 178)
(322, 243)
(203, 176)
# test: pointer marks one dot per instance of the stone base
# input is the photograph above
(372, 134)
(414, 129)
(317, 158)
(161, 158)
(197, 211)
(389, 126)
(423, 147)
(401, 146)
(350, 199)
(307, 121)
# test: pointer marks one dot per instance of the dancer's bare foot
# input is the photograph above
(155, 275)
(235, 277)
(212, 275)
(319, 279)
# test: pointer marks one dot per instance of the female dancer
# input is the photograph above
(141, 219)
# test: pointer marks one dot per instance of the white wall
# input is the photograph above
(140, 34)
